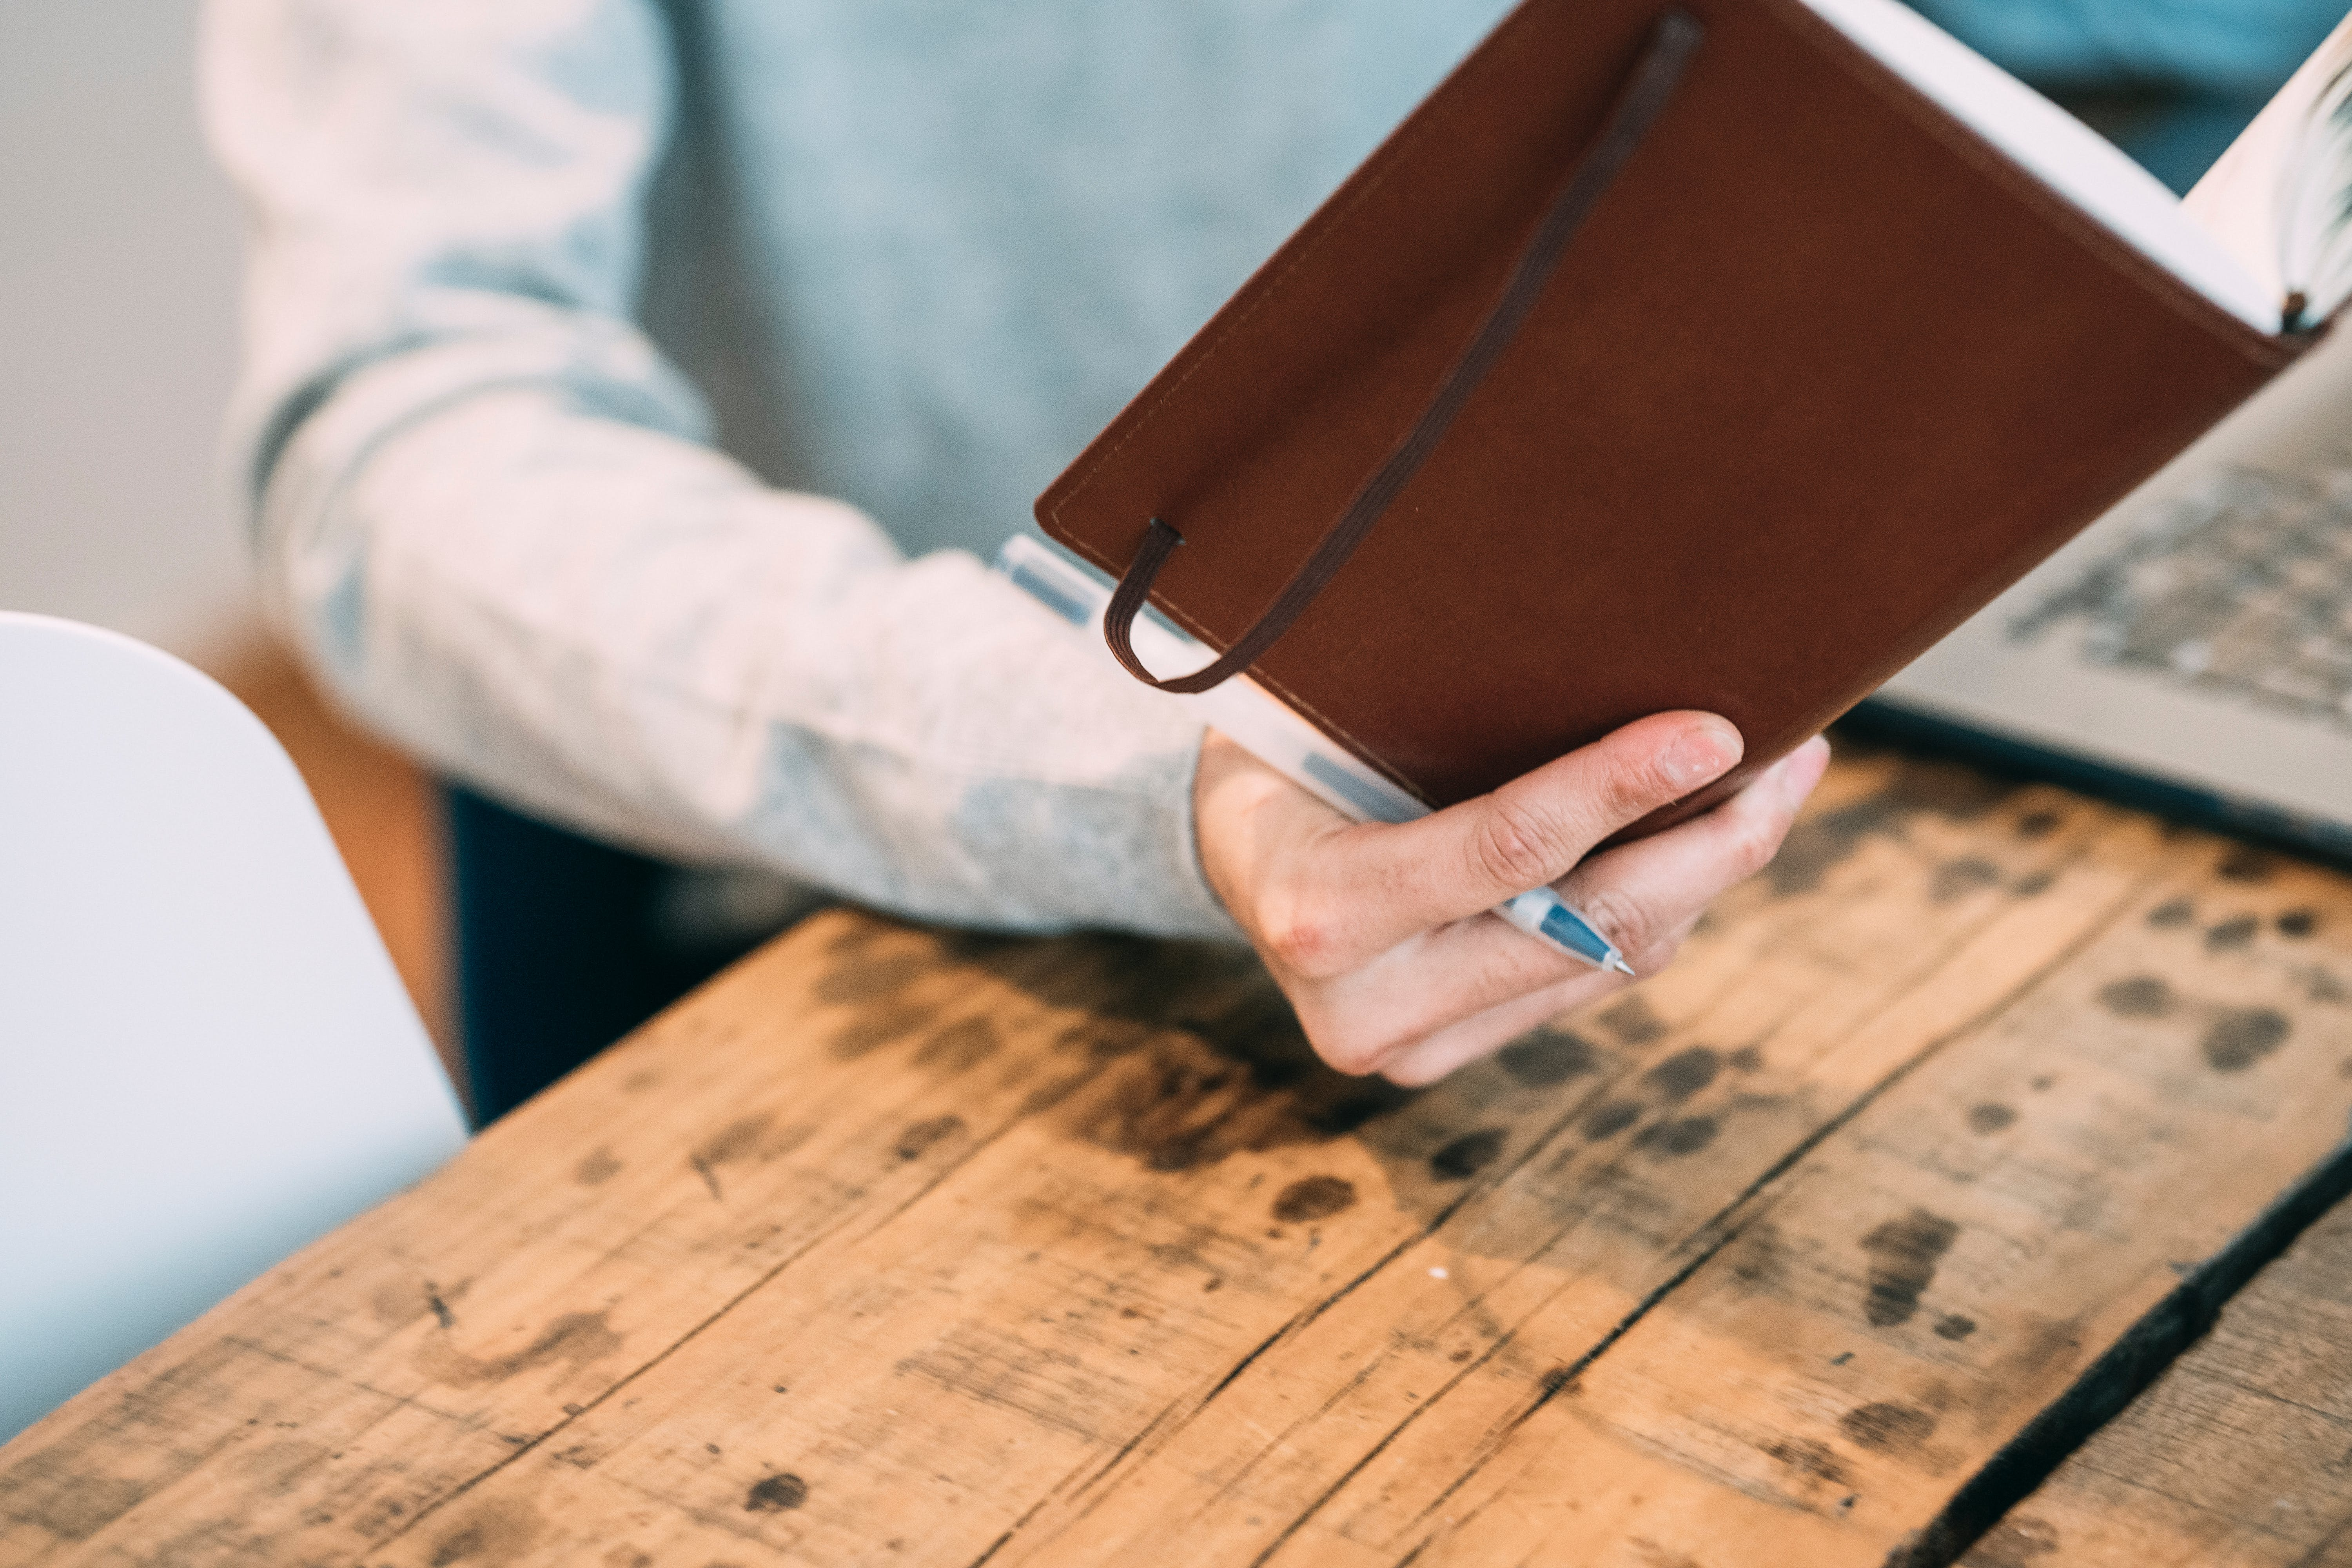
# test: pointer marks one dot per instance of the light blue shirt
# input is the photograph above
(522, 272)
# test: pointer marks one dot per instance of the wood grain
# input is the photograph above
(896, 1247)
(2240, 1456)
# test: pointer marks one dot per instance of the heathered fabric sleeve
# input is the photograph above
(486, 511)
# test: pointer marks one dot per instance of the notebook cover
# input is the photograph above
(1821, 374)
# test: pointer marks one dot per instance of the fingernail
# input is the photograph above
(1704, 752)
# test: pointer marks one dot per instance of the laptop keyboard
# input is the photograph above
(2242, 590)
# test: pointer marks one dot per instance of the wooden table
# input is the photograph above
(893, 1247)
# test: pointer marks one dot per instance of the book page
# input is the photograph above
(2276, 199)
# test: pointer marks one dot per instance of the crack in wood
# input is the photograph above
(2126, 1368)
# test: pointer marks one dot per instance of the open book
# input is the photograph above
(1723, 355)
(2191, 650)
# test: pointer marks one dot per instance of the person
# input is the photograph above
(630, 386)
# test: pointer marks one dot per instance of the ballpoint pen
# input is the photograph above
(1265, 726)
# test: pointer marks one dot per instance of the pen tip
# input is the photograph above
(1621, 966)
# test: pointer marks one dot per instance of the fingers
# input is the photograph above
(1458, 1044)
(1378, 932)
(1472, 857)
(1454, 993)
(1638, 892)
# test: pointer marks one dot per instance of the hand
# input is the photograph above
(1379, 934)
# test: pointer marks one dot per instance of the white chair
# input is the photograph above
(205, 1058)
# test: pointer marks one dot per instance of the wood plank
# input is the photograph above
(897, 1247)
(2239, 1457)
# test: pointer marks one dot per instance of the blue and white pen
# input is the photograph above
(1265, 726)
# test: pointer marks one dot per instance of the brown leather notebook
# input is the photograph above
(1660, 359)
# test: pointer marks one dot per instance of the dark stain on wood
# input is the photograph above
(776, 1494)
(732, 1141)
(1887, 1427)
(1466, 1156)
(1612, 1118)
(1989, 1117)
(1632, 1021)
(2137, 997)
(1548, 1057)
(1313, 1198)
(1820, 842)
(2033, 882)
(2244, 863)
(918, 1139)
(863, 978)
(1903, 1257)
(2241, 1036)
(1817, 844)
(1684, 1074)
(2232, 934)
(2038, 824)
(869, 1031)
(2173, 913)
(1809, 1457)
(492, 1532)
(1366, 1102)
(1755, 1260)
(1683, 1135)
(1182, 1052)
(73, 1505)
(2297, 923)
(1177, 1100)
(1956, 879)
(595, 1168)
(960, 1046)
(1955, 1326)
(709, 1177)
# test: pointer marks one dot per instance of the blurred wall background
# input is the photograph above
(118, 344)
(118, 275)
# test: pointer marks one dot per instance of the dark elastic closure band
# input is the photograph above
(1655, 76)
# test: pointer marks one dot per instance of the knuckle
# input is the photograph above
(1623, 918)
(1516, 844)
(1756, 843)
(1632, 788)
(1303, 939)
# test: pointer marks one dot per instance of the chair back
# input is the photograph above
(206, 1059)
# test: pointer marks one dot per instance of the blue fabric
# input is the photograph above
(2210, 49)
(562, 949)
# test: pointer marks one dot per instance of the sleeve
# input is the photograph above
(485, 511)
(2223, 48)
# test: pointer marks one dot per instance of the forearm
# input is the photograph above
(624, 631)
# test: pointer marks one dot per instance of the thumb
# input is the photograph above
(1533, 830)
